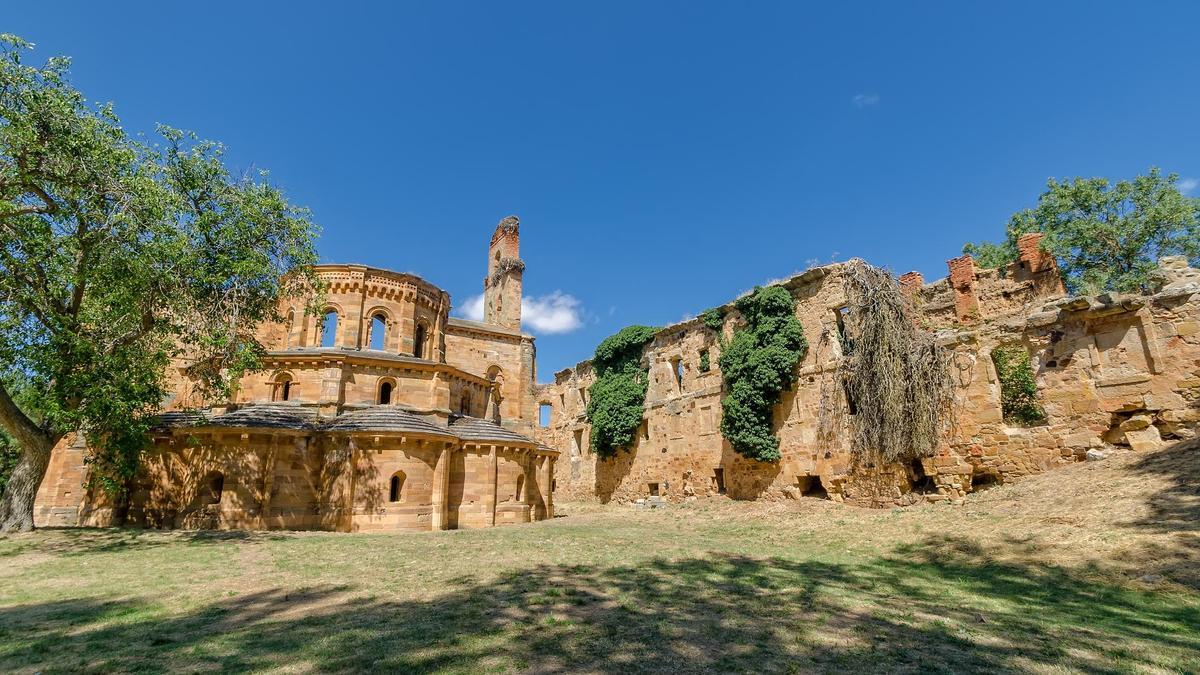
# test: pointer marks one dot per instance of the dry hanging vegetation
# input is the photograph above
(896, 376)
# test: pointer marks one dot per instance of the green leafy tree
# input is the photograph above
(1106, 237)
(116, 259)
(758, 365)
(618, 395)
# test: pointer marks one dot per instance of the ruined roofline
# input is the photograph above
(1032, 261)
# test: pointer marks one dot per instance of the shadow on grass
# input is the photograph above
(939, 606)
(1176, 510)
(80, 541)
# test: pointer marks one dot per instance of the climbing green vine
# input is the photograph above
(758, 365)
(714, 319)
(618, 395)
(1018, 388)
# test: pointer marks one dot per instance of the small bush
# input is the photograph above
(1018, 388)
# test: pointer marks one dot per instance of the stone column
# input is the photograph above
(441, 489)
(549, 468)
(490, 495)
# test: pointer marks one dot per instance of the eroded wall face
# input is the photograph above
(1110, 372)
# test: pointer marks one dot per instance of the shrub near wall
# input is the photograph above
(758, 364)
(1018, 388)
(618, 396)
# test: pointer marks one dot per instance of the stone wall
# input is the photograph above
(1111, 371)
(252, 480)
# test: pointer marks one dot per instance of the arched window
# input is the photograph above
(385, 393)
(520, 494)
(396, 487)
(378, 332)
(419, 342)
(329, 329)
(214, 485)
(465, 406)
(282, 389)
(291, 327)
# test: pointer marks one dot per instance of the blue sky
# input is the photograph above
(662, 156)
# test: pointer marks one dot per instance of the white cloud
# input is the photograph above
(864, 100)
(472, 309)
(552, 313)
(1188, 185)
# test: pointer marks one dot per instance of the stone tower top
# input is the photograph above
(502, 285)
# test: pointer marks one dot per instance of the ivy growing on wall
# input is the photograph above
(618, 395)
(1018, 388)
(714, 319)
(758, 365)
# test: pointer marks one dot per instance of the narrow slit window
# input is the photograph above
(329, 328)
(419, 342)
(378, 332)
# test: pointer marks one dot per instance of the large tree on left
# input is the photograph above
(118, 260)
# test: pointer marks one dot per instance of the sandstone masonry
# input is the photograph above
(1111, 370)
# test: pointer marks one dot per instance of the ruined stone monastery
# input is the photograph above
(387, 413)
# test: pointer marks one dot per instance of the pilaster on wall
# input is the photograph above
(439, 519)
(962, 281)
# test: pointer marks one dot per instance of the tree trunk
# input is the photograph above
(16, 505)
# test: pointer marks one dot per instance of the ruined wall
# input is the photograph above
(1110, 371)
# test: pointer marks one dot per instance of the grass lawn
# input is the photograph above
(1092, 568)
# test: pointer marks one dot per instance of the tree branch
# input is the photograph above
(17, 423)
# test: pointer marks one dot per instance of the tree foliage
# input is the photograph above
(618, 396)
(897, 377)
(1018, 387)
(116, 257)
(758, 364)
(1106, 237)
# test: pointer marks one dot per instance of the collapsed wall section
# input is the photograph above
(1109, 371)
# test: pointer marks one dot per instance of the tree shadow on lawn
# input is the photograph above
(938, 606)
(1174, 510)
(82, 541)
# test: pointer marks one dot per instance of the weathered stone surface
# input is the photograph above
(1145, 439)
(1095, 358)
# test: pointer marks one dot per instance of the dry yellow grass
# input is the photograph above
(1091, 568)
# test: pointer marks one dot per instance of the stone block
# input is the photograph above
(1136, 423)
(1145, 439)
